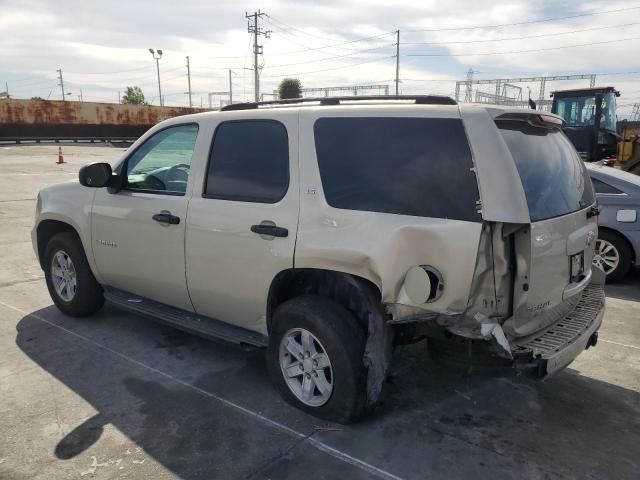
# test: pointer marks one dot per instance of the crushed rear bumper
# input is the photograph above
(552, 349)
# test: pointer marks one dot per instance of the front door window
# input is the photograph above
(162, 163)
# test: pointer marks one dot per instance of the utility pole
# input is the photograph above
(119, 97)
(253, 27)
(6, 87)
(189, 81)
(81, 98)
(157, 59)
(61, 82)
(230, 89)
(397, 60)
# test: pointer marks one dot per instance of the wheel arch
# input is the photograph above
(350, 291)
(47, 229)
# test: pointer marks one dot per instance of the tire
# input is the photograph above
(621, 249)
(88, 296)
(336, 332)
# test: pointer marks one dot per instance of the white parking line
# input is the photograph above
(315, 442)
(618, 343)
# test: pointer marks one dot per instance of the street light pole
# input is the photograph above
(397, 61)
(157, 59)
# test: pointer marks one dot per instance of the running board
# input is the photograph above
(183, 320)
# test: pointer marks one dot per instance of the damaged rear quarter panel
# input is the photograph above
(381, 247)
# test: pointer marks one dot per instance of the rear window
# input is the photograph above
(406, 166)
(554, 179)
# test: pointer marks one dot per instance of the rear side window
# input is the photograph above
(601, 187)
(554, 179)
(406, 166)
(249, 162)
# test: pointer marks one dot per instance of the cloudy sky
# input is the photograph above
(102, 47)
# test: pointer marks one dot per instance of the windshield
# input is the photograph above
(608, 118)
(577, 111)
(554, 179)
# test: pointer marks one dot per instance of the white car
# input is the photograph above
(330, 230)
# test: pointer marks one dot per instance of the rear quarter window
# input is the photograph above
(602, 187)
(406, 166)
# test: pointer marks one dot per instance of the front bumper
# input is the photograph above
(552, 349)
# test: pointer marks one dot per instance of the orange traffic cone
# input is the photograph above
(60, 157)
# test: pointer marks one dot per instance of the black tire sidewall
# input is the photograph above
(344, 342)
(89, 296)
(624, 264)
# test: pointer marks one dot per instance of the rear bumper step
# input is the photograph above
(552, 349)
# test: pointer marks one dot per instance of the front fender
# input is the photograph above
(69, 203)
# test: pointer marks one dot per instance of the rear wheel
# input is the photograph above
(612, 255)
(315, 358)
(71, 284)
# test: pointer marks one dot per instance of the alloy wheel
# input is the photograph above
(306, 367)
(606, 256)
(63, 275)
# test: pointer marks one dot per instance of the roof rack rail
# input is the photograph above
(417, 99)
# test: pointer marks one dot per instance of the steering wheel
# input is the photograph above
(176, 177)
(178, 173)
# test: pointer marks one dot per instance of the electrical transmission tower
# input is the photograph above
(500, 96)
(253, 27)
(467, 92)
(61, 82)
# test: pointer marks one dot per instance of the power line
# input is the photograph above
(333, 68)
(518, 51)
(521, 38)
(323, 47)
(346, 55)
(358, 39)
(544, 20)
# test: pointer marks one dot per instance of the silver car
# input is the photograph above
(618, 195)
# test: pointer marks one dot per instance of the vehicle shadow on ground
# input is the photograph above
(628, 289)
(432, 423)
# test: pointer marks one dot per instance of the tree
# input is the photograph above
(290, 88)
(134, 96)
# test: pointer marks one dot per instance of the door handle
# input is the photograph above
(271, 230)
(166, 217)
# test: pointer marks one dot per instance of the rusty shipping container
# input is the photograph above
(46, 119)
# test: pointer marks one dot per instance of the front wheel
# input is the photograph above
(71, 284)
(612, 255)
(315, 358)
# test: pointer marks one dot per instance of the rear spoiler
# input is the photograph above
(544, 120)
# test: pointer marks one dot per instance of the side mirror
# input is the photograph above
(95, 175)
